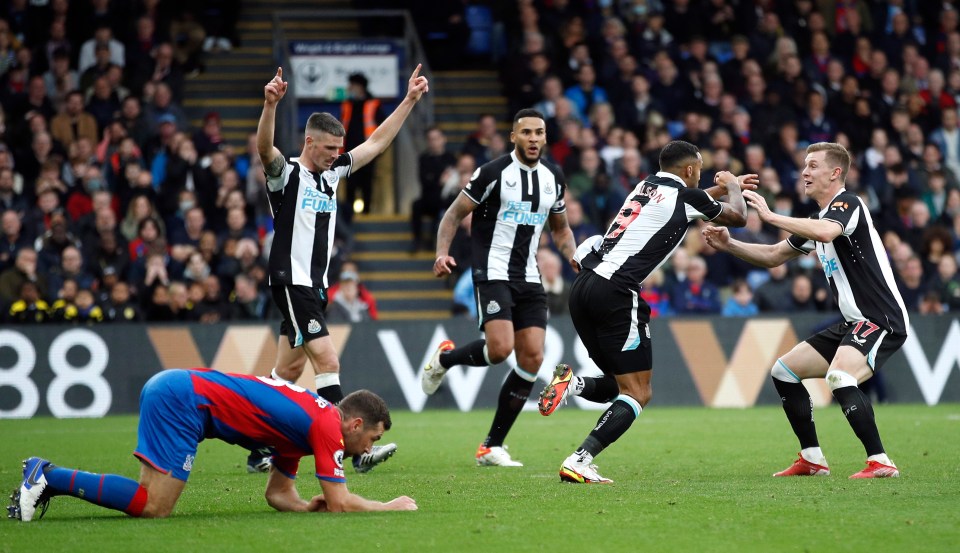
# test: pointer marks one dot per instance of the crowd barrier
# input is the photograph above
(69, 371)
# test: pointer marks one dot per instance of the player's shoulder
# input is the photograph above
(549, 165)
(498, 165)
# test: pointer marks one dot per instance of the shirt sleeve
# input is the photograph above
(480, 185)
(700, 205)
(343, 165)
(327, 442)
(845, 210)
(560, 205)
(277, 183)
(801, 244)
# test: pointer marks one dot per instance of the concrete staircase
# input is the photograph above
(403, 283)
(233, 81)
(460, 97)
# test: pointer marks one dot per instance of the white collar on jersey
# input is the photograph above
(667, 175)
(523, 165)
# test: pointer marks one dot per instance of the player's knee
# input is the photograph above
(498, 353)
(780, 371)
(530, 363)
(840, 379)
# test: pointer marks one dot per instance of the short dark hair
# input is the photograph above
(527, 112)
(676, 152)
(368, 406)
(324, 122)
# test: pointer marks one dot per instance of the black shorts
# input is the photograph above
(302, 308)
(867, 337)
(613, 323)
(524, 303)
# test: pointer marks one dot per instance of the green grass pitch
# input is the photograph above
(685, 480)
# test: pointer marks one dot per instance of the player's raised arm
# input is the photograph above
(270, 156)
(381, 138)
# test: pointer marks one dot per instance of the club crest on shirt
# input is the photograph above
(332, 177)
(313, 327)
(841, 206)
(338, 458)
(548, 189)
(493, 307)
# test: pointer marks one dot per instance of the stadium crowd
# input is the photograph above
(113, 207)
(751, 83)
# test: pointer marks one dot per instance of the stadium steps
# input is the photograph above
(232, 83)
(403, 283)
(460, 97)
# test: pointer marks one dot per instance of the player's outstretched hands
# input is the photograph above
(276, 88)
(418, 85)
(443, 266)
(402, 503)
(717, 237)
(750, 181)
(757, 202)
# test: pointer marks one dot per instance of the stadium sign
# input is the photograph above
(320, 68)
(93, 371)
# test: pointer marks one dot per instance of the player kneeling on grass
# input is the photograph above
(180, 408)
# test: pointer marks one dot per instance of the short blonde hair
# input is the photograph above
(836, 156)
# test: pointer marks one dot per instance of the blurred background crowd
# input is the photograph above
(115, 208)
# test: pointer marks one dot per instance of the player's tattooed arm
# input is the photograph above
(275, 167)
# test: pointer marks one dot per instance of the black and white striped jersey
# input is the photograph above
(651, 224)
(514, 203)
(856, 266)
(304, 207)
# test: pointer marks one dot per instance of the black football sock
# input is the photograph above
(333, 393)
(470, 354)
(611, 425)
(513, 396)
(859, 412)
(799, 410)
(599, 390)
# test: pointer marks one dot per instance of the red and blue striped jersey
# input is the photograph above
(256, 412)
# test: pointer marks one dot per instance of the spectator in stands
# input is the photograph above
(801, 294)
(74, 123)
(351, 270)
(28, 307)
(695, 294)
(149, 231)
(602, 202)
(64, 308)
(140, 208)
(478, 141)
(774, 294)
(209, 137)
(435, 166)
(182, 306)
(9, 199)
(71, 268)
(214, 307)
(347, 306)
(248, 303)
(947, 283)
(740, 303)
(556, 287)
(360, 114)
(585, 93)
(51, 243)
(12, 239)
(120, 308)
(95, 71)
(163, 107)
(132, 119)
(23, 270)
(102, 39)
(911, 283)
(88, 312)
(60, 79)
